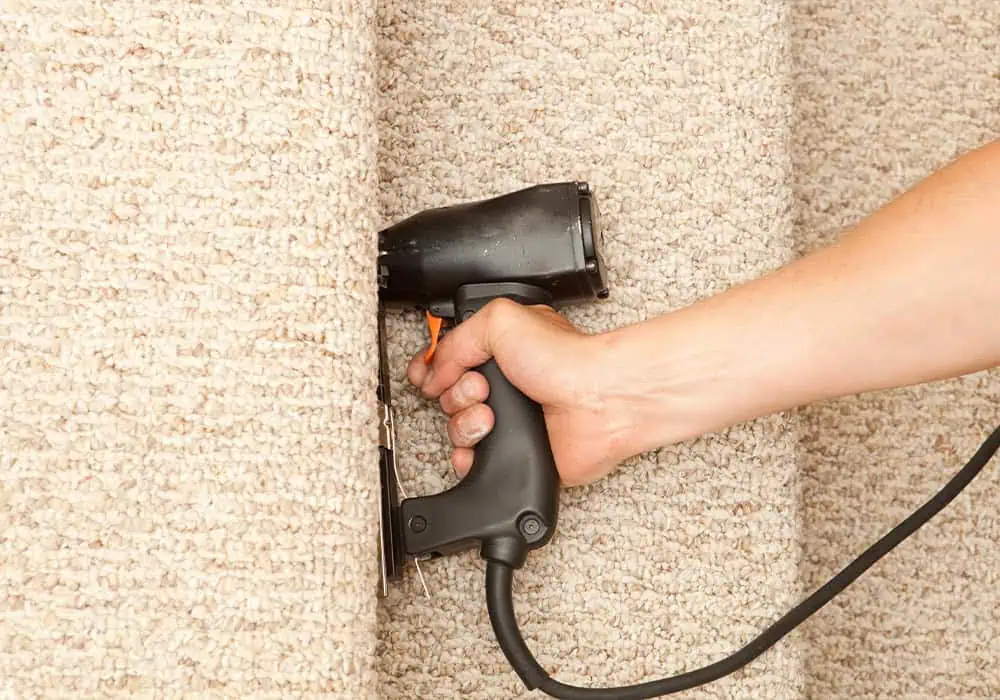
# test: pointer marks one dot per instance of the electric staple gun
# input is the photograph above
(540, 245)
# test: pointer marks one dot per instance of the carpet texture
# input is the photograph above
(186, 342)
(188, 433)
(885, 93)
(678, 117)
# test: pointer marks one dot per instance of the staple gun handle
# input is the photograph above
(508, 503)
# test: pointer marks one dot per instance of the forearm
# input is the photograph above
(910, 295)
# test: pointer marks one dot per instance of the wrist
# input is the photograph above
(677, 377)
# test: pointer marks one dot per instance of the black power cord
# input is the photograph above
(499, 601)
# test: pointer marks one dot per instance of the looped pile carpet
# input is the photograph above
(188, 202)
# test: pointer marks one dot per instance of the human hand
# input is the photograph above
(545, 357)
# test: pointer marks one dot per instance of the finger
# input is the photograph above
(468, 427)
(417, 370)
(461, 460)
(470, 389)
(466, 346)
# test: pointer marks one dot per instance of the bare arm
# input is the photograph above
(910, 295)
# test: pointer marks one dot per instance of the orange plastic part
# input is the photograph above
(434, 325)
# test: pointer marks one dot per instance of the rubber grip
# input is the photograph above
(515, 459)
(508, 503)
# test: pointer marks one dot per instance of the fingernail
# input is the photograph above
(475, 431)
(462, 392)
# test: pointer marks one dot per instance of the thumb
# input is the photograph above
(468, 345)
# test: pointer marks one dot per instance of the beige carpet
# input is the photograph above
(885, 92)
(187, 348)
(187, 433)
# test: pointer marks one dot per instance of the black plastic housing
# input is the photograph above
(548, 236)
(539, 245)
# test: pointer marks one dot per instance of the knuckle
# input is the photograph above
(500, 317)
(501, 303)
(499, 308)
